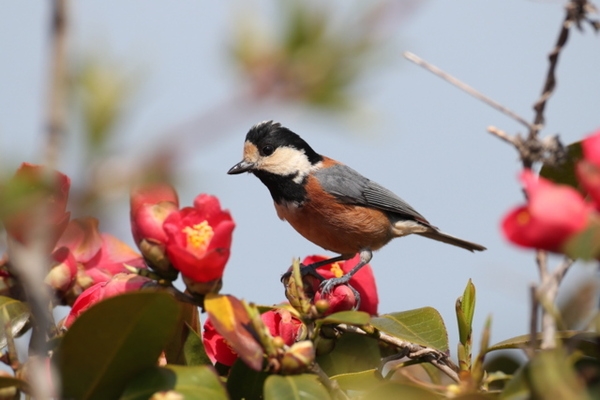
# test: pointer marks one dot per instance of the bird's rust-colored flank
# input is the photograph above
(341, 228)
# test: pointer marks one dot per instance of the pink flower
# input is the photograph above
(363, 281)
(199, 239)
(35, 198)
(552, 215)
(119, 284)
(588, 169)
(98, 257)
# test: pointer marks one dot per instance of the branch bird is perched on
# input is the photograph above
(329, 203)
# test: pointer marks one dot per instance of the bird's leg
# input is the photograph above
(311, 269)
(328, 285)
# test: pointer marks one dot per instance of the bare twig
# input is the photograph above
(437, 358)
(533, 322)
(56, 113)
(463, 86)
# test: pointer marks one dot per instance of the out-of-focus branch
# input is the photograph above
(56, 112)
(463, 86)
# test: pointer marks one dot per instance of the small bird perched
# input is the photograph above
(329, 203)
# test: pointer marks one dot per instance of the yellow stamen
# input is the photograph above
(336, 270)
(523, 217)
(199, 235)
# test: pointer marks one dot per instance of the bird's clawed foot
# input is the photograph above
(328, 285)
(305, 270)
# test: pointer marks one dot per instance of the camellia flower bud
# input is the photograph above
(35, 200)
(150, 206)
(298, 358)
(119, 284)
(363, 281)
(341, 298)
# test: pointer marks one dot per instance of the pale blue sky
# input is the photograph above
(413, 133)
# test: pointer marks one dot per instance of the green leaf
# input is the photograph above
(395, 391)
(194, 383)
(465, 309)
(245, 383)
(552, 376)
(14, 312)
(352, 353)
(422, 326)
(565, 173)
(114, 341)
(347, 317)
(186, 348)
(585, 244)
(519, 342)
(362, 380)
(295, 387)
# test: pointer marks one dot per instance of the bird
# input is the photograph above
(329, 203)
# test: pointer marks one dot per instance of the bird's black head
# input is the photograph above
(274, 149)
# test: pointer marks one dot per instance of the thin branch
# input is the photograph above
(437, 358)
(56, 113)
(533, 322)
(503, 136)
(470, 90)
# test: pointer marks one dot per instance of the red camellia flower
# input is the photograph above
(35, 198)
(217, 348)
(588, 169)
(119, 284)
(199, 239)
(280, 322)
(98, 256)
(552, 215)
(363, 281)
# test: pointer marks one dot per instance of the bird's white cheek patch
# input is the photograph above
(286, 161)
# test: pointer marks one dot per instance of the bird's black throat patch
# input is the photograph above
(283, 188)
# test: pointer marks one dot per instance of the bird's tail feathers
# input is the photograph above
(453, 240)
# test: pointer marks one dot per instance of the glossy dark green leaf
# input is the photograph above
(114, 341)
(565, 173)
(186, 347)
(295, 387)
(422, 326)
(395, 391)
(347, 317)
(361, 381)
(245, 383)
(194, 383)
(465, 309)
(14, 312)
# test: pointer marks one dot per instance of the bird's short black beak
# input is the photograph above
(242, 166)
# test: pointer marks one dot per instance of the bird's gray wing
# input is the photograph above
(351, 187)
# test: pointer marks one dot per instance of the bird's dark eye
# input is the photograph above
(268, 150)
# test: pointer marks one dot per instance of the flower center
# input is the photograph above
(336, 270)
(199, 235)
(523, 218)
